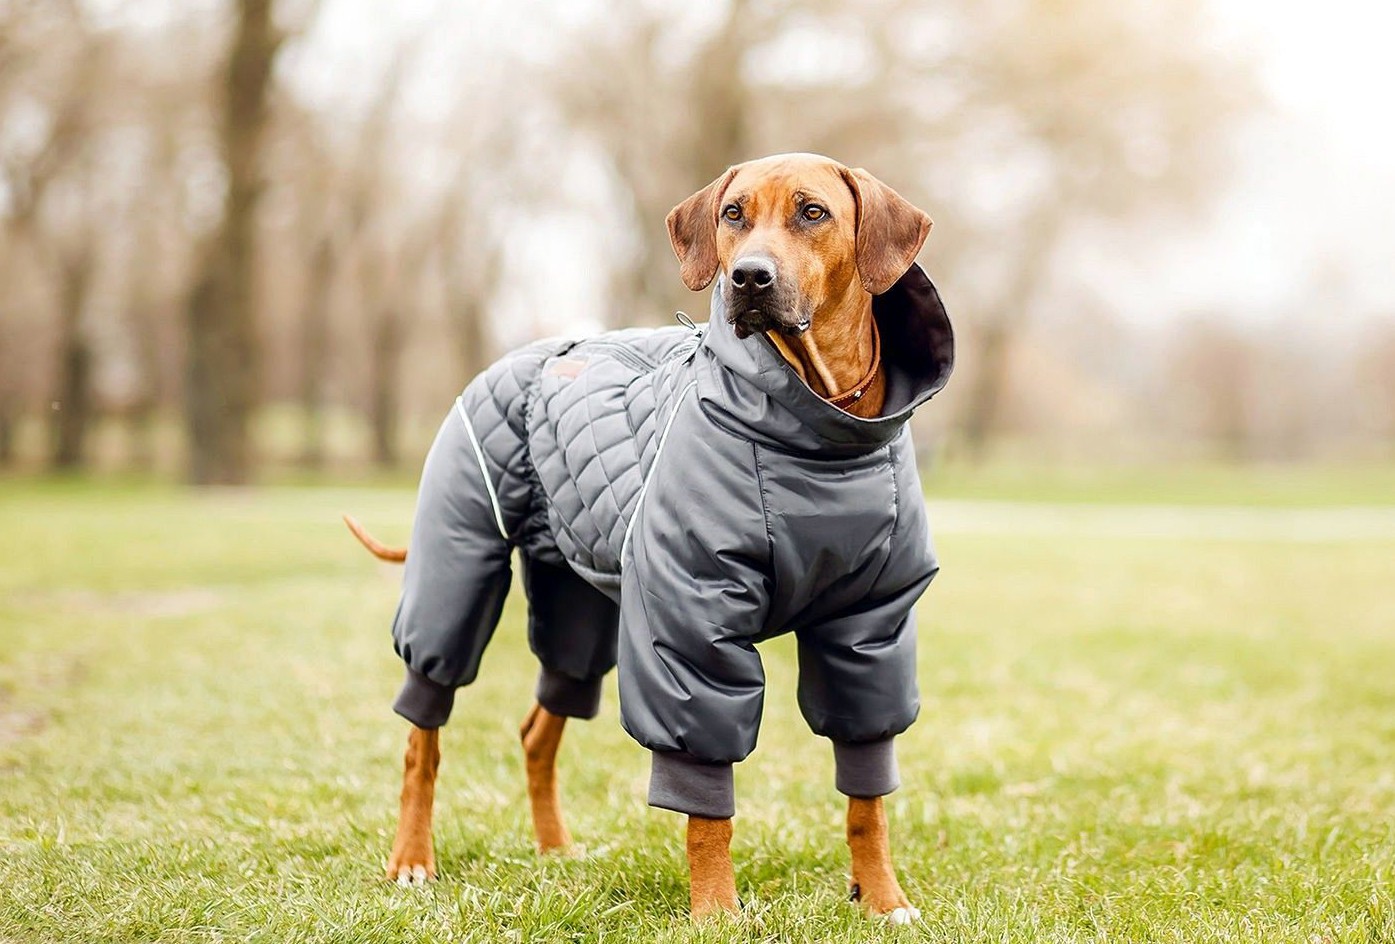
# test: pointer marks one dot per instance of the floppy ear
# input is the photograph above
(890, 231)
(692, 228)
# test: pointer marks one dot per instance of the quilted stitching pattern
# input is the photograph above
(592, 437)
(568, 433)
(496, 402)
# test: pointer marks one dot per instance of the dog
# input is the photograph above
(677, 495)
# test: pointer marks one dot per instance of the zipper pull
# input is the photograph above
(682, 318)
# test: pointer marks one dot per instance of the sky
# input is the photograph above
(1307, 219)
(1311, 213)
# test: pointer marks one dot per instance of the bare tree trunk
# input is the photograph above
(472, 335)
(385, 379)
(314, 352)
(74, 395)
(223, 373)
(9, 419)
(140, 418)
(9, 384)
(716, 96)
(982, 410)
(984, 401)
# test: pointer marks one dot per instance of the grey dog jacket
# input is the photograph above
(677, 496)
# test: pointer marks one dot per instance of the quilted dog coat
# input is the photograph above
(677, 496)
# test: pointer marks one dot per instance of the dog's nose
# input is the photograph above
(753, 274)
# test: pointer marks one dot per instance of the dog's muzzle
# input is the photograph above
(757, 301)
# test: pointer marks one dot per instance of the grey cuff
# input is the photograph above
(568, 697)
(684, 784)
(425, 703)
(867, 769)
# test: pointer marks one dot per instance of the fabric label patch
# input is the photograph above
(567, 366)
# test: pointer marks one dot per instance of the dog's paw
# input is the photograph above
(570, 850)
(887, 901)
(411, 866)
(908, 914)
(411, 876)
(719, 909)
(412, 862)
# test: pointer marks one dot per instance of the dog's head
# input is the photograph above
(794, 234)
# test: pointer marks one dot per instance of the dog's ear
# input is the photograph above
(692, 228)
(890, 230)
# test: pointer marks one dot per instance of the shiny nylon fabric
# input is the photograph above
(768, 511)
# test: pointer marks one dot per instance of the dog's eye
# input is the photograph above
(732, 213)
(813, 213)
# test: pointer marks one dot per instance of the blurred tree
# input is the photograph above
(1095, 113)
(663, 97)
(165, 177)
(1211, 378)
(76, 261)
(48, 67)
(1375, 376)
(307, 163)
(1017, 123)
(155, 215)
(221, 386)
(391, 254)
(470, 234)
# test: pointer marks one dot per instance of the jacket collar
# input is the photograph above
(748, 388)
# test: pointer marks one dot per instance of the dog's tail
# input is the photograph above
(394, 555)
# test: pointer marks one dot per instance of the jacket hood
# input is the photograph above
(748, 388)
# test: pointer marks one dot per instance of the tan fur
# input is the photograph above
(393, 555)
(541, 734)
(412, 849)
(711, 877)
(872, 237)
(873, 876)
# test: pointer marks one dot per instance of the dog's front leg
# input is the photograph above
(413, 860)
(874, 882)
(711, 878)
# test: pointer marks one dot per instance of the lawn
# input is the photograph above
(1160, 738)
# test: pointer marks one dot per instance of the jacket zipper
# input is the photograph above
(624, 354)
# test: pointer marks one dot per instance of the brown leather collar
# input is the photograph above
(844, 400)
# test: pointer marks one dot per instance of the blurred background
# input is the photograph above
(246, 238)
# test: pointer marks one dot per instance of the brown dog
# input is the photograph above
(804, 243)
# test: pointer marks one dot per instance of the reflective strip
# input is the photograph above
(484, 471)
(639, 502)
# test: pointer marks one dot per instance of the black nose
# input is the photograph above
(753, 274)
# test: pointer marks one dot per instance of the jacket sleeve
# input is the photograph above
(857, 668)
(695, 591)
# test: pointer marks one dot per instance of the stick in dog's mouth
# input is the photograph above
(394, 555)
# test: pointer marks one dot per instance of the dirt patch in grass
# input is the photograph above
(148, 604)
(16, 723)
(19, 721)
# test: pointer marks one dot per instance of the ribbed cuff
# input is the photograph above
(684, 784)
(425, 703)
(867, 769)
(569, 697)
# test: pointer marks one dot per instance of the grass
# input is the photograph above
(1186, 483)
(1122, 739)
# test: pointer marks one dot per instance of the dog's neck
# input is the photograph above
(837, 356)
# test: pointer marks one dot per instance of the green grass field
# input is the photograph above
(1123, 738)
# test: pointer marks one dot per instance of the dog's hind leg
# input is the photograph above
(571, 629)
(413, 859)
(541, 734)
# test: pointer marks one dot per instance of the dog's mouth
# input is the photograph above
(757, 321)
